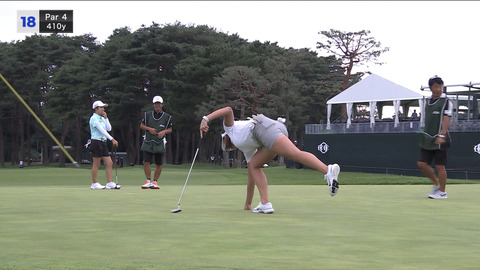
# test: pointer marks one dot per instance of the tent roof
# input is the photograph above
(375, 88)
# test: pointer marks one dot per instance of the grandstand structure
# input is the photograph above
(389, 147)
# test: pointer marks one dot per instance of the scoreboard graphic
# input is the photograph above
(44, 21)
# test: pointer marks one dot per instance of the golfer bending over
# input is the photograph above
(261, 139)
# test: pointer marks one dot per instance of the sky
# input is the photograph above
(425, 38)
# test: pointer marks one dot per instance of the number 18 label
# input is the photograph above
(27, 21)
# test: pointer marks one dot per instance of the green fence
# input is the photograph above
(392, 153)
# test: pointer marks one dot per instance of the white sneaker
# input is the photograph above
(263, 208)
(147, 185)
(96, 186)
(112, 185)
(435, 189)
(155, 185)
(332, 178)
(438, 195)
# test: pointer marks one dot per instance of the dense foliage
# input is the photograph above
(196, 69)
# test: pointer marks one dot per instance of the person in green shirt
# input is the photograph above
(156, 124)
(435, 138)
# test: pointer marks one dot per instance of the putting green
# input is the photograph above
(363, 227)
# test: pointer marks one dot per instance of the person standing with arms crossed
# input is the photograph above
(156, 124)
(435, 138)
(99, 127)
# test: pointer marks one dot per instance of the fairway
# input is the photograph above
(69, 226)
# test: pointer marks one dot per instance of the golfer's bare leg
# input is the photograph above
(95, 165)
(284, 147)
(442, 177)
(147, 170)
(158, 171)
(250, 192)
(255, 172)
(108, 168)
(428, 172)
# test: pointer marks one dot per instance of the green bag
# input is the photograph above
(427, 142)
(153, 147)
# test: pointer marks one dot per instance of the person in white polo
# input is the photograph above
(99, 127)
(261, 139)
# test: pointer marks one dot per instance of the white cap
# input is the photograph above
(157, 99)
(98, 103)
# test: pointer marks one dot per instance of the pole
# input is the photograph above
(40, 122)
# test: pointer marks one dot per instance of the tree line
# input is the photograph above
(196, 69)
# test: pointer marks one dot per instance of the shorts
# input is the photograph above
(428, 156)
(147, 157)
(99, 148)
(267, 130)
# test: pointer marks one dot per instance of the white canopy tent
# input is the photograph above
(371, 90)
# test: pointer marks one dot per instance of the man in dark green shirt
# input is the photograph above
(156, 124)
(435, 139)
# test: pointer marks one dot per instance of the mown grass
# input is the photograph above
(50, 219)
(202, 174)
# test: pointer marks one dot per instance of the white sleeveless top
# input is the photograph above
(242, 137)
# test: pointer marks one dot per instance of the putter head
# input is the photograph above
(176, 210)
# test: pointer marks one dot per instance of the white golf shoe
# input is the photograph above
(435, 189)
(147, 185)
(112, 185)
(155, 185)
(438, 195)
(332, 178)
(97, 186)
(263, 208)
